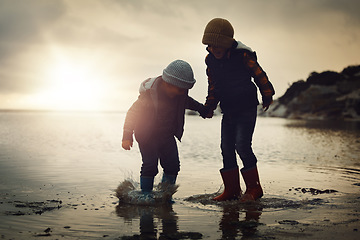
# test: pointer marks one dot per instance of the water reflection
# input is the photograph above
(231, 225)
(147, 215)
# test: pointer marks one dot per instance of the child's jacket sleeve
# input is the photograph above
(211, 101)
(259, 75)
(192, 104)
(133, 116)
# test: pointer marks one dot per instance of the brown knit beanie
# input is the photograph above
(219, 33)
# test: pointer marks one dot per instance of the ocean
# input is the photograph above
(59, 170)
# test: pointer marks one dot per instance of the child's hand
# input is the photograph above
(205, 112)
(127, 144)
(210, 114)
(266, 103)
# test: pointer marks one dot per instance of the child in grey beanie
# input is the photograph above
(156, 118)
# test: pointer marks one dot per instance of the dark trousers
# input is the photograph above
(163, 149)
(236, 137)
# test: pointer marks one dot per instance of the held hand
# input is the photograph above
(210, 114)
(205, 112)
(127, 144)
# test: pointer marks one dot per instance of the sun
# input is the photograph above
(72, 84)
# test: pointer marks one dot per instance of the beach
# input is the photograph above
(59, 172)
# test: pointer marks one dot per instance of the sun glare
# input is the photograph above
(72, 85)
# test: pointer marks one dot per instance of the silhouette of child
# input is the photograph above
(156, 118)
(230, 67)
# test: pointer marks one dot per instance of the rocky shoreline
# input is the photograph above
(323, 96)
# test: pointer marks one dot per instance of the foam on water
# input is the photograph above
(127, 192)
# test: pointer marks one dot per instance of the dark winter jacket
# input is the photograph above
(229, 80)
(142, 116)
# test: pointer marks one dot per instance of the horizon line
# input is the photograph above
(60, 110)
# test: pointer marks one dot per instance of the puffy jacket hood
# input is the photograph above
(240, 45)
(147, 84)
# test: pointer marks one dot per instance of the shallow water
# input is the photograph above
(58, 172)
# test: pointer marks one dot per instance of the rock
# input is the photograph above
(327, 78)
(324, 96)
(290, 222)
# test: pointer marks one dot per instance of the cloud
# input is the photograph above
(348, 8)
(22, 26)
(22, 23)
(130, 40)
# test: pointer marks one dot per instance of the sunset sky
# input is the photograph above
(93, 54)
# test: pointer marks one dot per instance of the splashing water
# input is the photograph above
(127, 192)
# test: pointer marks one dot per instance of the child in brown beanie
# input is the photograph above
(156, 118)
(230, 68)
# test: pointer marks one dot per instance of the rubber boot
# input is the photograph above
(171, 179)
(253, 187)
(231, 184)
(166, 182)
(146, 197)
(146, 184)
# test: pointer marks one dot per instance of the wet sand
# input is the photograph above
(328, 215)
(58, 180)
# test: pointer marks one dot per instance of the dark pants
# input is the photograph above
(236, 136)
(163, 149)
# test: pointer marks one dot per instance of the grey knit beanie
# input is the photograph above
(180, 74)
